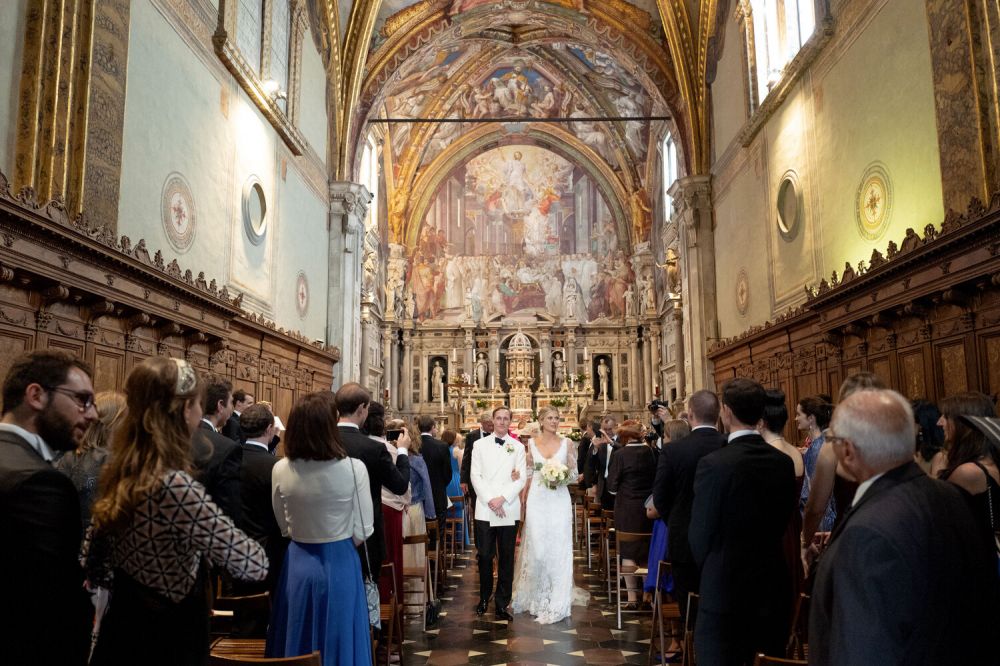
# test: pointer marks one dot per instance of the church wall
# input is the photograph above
(11, 44)
(861, 101)
(186, 116)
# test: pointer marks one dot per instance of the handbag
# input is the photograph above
(371, 587)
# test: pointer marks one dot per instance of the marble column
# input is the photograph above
(494, 343)
(654, 349)
(406, 385)
(634, 369)
(545, 360)
(390, 352)
(470, 355)
(348, 207)
(693, 206)
(570, 359)
(678, 315)
(647, 365)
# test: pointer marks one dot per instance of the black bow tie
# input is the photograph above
(500, 441)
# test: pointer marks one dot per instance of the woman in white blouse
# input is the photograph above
(322, 503)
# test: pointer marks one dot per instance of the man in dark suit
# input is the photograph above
(673, 489)
(485, 428)
(352, 405)
(217, 458)
(232, 428)
(46, 616)
(744, 495)
(602, 447)
(907, 577)
(438, 459)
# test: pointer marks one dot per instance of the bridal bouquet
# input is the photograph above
(553, 474)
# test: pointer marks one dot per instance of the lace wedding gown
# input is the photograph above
(543, 574)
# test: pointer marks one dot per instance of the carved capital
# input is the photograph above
(350, 200)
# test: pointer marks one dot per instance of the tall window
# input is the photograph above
(368, 177)
(669, 172)
(249, 29)
(779, 29)
(281, 30)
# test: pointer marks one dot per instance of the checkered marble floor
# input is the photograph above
(588, 637)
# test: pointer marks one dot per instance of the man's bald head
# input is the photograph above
(880, 425)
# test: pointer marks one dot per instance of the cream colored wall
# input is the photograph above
(312, 98)
(868, 96)
(186, 114)
(11, 44)
(728, 116)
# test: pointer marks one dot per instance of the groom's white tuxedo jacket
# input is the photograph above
(492, 465)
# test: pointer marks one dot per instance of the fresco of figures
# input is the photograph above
(518, 230)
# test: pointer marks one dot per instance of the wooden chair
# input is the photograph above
(434, 557)
(224, 610)
(392, 615)
(595, 523)
(665, 609)
(690, 616)
(798, 637)
(453, 524)
(607, 536)
(237, 648)
(423, 574)
(313, 659)
(763, 660)
(620, 538)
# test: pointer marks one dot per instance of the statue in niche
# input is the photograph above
(411, 303)
(437, 380)
(603, 375)
(641, 214)
(558, 371)
(482, 371)
(629, 302)
(648, 294)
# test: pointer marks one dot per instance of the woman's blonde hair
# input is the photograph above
(110, 407)
(546, 410)
(152, 439)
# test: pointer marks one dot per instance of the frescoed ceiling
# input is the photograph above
(581, 64)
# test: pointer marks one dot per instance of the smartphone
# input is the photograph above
(393, 435)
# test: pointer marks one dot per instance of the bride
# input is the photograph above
(543, 575)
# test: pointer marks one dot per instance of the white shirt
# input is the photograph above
(319, 501)
(263, 445)
(741, 433)
(863, 488)
(711, 427)
(34, 440)
(211, 424)
(399, 449)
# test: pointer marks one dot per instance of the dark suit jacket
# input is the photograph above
(466, 471)
(46, 616)
(217, 460)
(906, 579)
(744, 495)
(257, 512)
(599, 462)
(673, 489)
(233, 430)
(437, 455)
(381, 472)
(582, 453)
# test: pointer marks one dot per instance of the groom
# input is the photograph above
(495, 458)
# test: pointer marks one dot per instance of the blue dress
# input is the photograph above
(657, 552)
(809, 460)
(455, 490)
(330, 610)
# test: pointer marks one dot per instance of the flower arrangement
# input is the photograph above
(552, 474)
(558, 402)
(575, 435)
(481, 404)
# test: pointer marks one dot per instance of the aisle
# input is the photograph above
(589, 637)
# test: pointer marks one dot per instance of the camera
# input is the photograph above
(656, 404)
(393, 435)
(652, 436)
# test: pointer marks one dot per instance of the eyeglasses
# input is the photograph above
(83, 399)
(828, 436)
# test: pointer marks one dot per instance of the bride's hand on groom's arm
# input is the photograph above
(515, 474)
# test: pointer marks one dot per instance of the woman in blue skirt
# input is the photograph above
(322, 502)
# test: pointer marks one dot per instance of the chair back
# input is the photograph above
(764, 660)
(626, 537)
(313, 659)
(798, 637)
(415, 539)
(250, 602)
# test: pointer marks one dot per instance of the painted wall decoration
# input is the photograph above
(178, 212)
(518, 229)
(302, 294)
(873, 204)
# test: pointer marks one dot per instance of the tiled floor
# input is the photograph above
(588, 637)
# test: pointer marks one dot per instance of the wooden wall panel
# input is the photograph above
(913, 374)
(991, 364)
(953, 370)
(109, 369)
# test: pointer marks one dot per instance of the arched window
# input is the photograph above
(775, 31)
(669, 171)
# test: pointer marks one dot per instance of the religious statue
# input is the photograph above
(629, 302)
(558, 371)
(437, 380)
(641, 214)
(603, 373)
(569, 309)
(648, 294)
(411, 303)
(482, 371)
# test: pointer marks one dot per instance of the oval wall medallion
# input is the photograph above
(789, 205)
(254, 210)
(302, 295)
(743, 291)
(178, 212)
(873, 204)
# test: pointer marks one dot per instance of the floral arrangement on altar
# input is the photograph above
(558, 402)
(576, 435)
(553, 474)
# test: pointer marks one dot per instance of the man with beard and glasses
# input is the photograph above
(46, 616)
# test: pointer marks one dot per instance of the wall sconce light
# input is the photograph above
(273, 90)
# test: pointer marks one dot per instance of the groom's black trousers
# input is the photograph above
(500, 541)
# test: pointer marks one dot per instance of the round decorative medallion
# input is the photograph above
(302, 294)
(743, 291)
(789, 205)
(178, 212)
(254, 211)
(873, 205)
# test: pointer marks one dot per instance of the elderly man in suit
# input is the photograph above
(485, 428)
(46, 616)
(907, 577)
(497, 459)
(744, 495)
(352, 404)
(216, 458)
(673, 489)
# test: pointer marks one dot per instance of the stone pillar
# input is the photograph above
(634, 368)
(693, 206)
(348, 207)
(570, 356)
(545, 360)
(470, 355)
(364, 350)
(647, 365)
(678, 315)
(494, 380)
(654, 348)
(390, 352)
(406, 385)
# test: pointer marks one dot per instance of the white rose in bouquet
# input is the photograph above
(553, 474)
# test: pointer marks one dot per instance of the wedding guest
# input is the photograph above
(419, 510)
(322, 501)
(485, 428)
(393, 504)
(437, 457)
(673, 430)
(812, 414)
(930, 453)
(457, 448)
(216, 459)
(155, 527)
(48, 404)
(630, 480)
(83, 466)
(906, 578)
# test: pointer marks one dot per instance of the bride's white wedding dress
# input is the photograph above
(543, 574)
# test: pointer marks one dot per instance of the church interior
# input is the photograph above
(463, 204)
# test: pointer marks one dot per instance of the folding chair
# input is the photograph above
(620, 538)
(391, 614)
(607, 528)
(690, 616)
(595, 521)
(423, 574)
(798, 638)
(665, 609)
(454, 522)
(434, 556)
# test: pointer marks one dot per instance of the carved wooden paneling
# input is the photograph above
(913, 374)
(991, 357)
(882, 369)
(953, 369)
(12, 344)
(109, 369)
